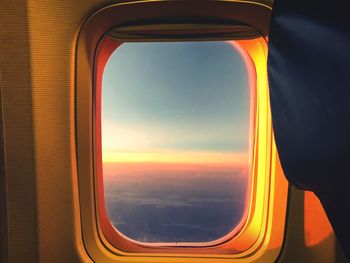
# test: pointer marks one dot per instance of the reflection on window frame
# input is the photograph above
(261, 235)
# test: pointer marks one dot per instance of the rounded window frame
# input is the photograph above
(255, 231)
(105, 49)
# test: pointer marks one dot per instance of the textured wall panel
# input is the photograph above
(37, 58)
(3, 191)
(18, 131)
(53, 28)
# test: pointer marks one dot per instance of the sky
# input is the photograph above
(175, 98)
(175, 140)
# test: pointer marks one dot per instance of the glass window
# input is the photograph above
(176, 140)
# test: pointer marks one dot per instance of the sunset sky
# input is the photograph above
(175, 138)
(184, 102)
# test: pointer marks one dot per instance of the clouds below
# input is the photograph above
(174, 205)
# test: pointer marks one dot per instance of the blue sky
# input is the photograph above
(187, 96)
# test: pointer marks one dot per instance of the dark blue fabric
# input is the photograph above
(309, 76)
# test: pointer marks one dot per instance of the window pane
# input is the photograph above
(175, 140)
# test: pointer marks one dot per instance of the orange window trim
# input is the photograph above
(244, 235)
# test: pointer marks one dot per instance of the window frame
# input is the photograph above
(105, 49)
(265, 161)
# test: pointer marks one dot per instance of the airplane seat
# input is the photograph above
(308, 75)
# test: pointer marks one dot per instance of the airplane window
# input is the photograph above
(176, 140)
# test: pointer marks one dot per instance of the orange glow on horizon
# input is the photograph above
(220, 158)
(116, 168)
